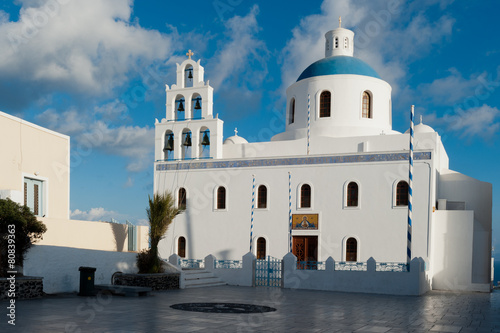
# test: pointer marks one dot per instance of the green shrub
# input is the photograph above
(148, 262)
(27, 230)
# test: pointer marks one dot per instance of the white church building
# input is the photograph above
(334, 184)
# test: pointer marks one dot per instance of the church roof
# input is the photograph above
(235, 139)
(338, 65)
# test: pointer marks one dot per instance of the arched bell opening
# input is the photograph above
(168, 146)
(196, 104)
(180, 111)
(187, 144)
(204, 143)
(188, 76)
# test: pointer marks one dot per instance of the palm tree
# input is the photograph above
(161, 213)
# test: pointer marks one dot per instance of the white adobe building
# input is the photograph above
(339, 165)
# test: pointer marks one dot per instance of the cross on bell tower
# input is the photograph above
(189, 54)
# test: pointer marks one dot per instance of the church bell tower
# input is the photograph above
(189, 130)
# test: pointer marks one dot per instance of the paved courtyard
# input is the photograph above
(296, 311)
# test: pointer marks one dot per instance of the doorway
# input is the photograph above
(305, 248)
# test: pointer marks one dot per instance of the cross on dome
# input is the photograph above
(340, 21)
(189, 54)
(236, 131)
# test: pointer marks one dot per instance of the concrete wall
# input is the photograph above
(28, 150)
(414, 282)
(58, 265)
(477, 195)
(235, 277)
(104, 236)
(452, 258)
(375, 222)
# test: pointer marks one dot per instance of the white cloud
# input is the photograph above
(129, 183)
(450, 89)
(95, 214)
(242, 48)
(82, 47)
(483, 121)
(89, 133)
(239, 67)
(4, 17)
(142, 222)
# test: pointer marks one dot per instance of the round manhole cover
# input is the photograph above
(223, 307)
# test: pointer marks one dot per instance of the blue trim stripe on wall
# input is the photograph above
(267, 162)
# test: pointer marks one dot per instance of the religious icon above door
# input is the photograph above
(305, 221)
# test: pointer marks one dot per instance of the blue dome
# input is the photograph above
(338, 65)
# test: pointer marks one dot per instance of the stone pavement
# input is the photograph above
(297, 311)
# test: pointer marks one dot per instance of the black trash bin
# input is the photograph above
(87, 281)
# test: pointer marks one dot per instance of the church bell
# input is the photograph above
(197, 106)
(187, 141)
(181, 106)
(190, 75)
(169, 144)
(206, 140)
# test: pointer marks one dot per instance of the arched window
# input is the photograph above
(402, 194)
(346, 43)
(196, 104)
(180, 108)
(291, 118)
(325, 101)
(352, 194)
(262, 197)
(204, 148)
(367, 105)
(168, 147)
(181, 247)
(221, 197)
(351, 250)
(187, 143)
(305, 196)
(182, 198)
(188, 76)
(261, 248)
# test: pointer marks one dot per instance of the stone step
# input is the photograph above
(200, 278)
(128, 291)
(212, 284)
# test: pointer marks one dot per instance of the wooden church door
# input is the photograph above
(305, 248)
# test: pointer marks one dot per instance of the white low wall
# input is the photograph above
(105, 236)
(59, 265)
(414, 282)
(235, 277)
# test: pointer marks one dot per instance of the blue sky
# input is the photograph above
(96, 70)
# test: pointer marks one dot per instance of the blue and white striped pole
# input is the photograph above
(308, 122)
(290, 210)
(253, 206)
(410, 190)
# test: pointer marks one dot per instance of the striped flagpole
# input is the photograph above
(308, 122)
(410, 190)
(253, 206)
(290, 209)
